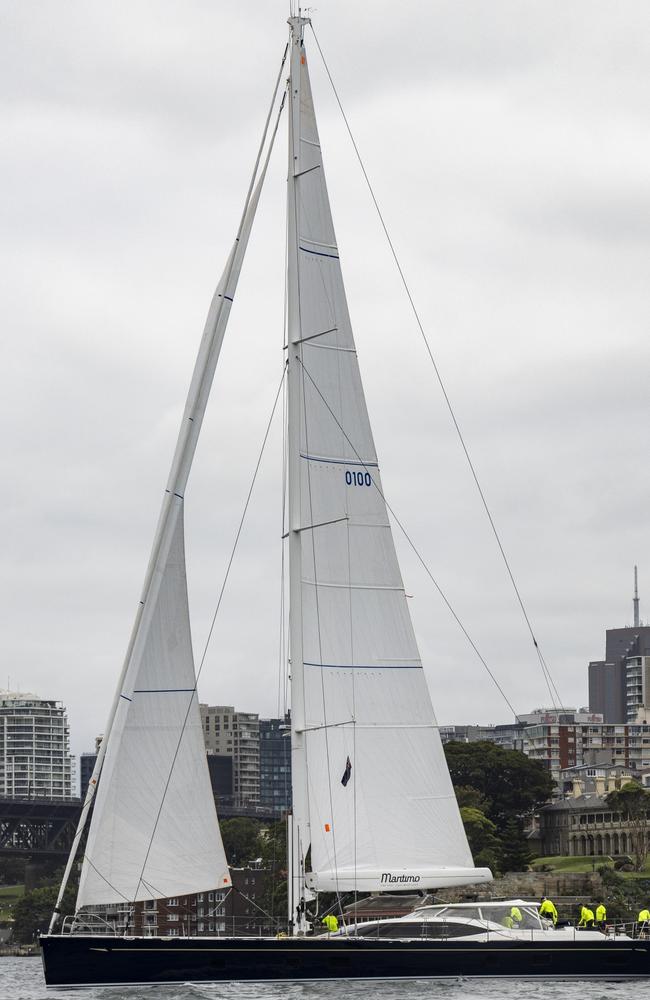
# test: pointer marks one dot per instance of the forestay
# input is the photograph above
(395, 822)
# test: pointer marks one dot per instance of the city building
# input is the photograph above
(593, 779)
(561, 716)
(35, 760)
(509, 736)
(559, 746)
(584, 827)
(275, 765)
(238, 910)
(237, 735)
(220, 768)
(619, 685)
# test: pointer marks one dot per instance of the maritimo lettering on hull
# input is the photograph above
(387, 877)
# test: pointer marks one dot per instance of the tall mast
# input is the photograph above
(299, 833)
(636, 599)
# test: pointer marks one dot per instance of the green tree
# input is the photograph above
(511, 783)
(32, 913)
(515, 855)
(633, 801)
(481, 832)
(273, 844)
(469, 797)
(241, 840)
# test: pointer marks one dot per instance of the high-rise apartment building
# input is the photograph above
(35, 759)
(237, 735)
(558, 746)
(619, 685)
(275, 765)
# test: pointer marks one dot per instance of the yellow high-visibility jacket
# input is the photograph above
(644, 915)
(586, 916)
(601, 914)
(547, 909)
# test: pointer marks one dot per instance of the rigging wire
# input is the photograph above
(546, 672)
(213, 623)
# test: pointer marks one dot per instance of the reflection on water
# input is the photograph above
(22, 979)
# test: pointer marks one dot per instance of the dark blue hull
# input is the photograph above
(71, 961)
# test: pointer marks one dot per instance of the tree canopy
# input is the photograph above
(241, 840)
(510, 784)
(633, 801)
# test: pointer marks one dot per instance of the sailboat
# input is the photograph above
(373, 804)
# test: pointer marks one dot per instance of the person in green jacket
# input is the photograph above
(547, 910)
(601, 914)
(331, 923)
(586, 917)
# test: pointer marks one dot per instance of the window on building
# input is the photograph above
(173, 901)
(173, 917)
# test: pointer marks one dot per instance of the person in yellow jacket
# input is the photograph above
(516, 917)
(331, 923)
(547, 910)
(601, 914)
(586, 917)
(644, 916)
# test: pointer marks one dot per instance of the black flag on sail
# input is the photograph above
(347, 773)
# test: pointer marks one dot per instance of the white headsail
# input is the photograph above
(380, 809)
(154, 830)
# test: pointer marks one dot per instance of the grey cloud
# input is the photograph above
(507, 145)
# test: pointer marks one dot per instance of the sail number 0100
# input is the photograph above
(358, 478)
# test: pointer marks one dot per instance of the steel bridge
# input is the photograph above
(45, 827)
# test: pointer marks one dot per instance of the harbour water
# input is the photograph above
(22, 979)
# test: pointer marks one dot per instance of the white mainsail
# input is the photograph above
(360, 702)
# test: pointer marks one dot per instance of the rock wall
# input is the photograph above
(565, 890)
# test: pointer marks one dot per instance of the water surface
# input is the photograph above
(22, 979)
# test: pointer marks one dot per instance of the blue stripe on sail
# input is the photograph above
(161, 690)
(339, 461)
(366, 666)
(319, 253)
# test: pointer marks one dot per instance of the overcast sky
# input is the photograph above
(509, 147)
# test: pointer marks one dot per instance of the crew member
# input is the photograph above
(601, 914)
(515, 914)
(508, 922)
(644, 920)
(547, 910)
(586, 917)
(331, 923)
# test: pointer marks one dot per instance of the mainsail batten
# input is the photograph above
(381, 807)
